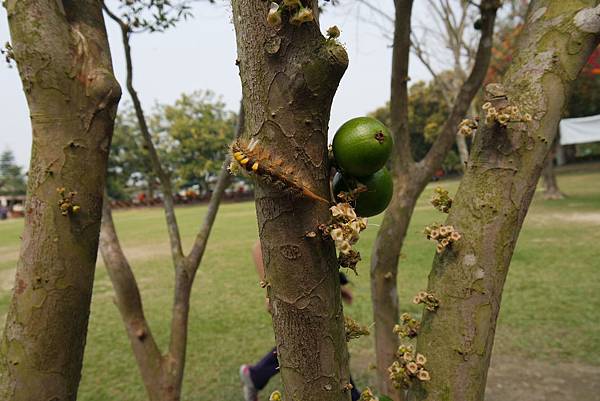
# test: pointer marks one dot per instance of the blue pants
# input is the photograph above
(268, 367)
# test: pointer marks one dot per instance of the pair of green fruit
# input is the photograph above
(362, 147)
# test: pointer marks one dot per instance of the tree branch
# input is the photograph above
(493, 199)
(163, 176)
(195, 256)
(129, 301)
(399, 84)
(467, 92)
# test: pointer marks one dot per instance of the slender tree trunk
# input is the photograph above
(463, 150)
(551, 190)
(384, 277)
(410, 178)
(494, 197)
(162, 374)
(64, 61)
(289, 77)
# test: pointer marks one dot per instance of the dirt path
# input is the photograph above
(518, 380)
(513, 379)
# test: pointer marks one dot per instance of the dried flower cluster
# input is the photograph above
(66, 203)
(467, 127)
(429, 300)
(345, 230)
(367, 395)
(8, 54)
(298, 13)
(275, 396)
(441, 200)
(442, 234)
(354, 329)
(333, 32)
(408, 367)
(504, 115)
(408, 327)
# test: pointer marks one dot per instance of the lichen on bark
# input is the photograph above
(493, 199)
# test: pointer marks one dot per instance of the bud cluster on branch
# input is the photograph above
(407, 367)
(297, 12)
(441, 200)
(345, 230)
(442, 234)
(354, 329)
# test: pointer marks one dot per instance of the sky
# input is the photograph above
(199, 54)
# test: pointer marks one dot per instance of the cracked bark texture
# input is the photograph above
(289, 77)
(494, 196)
(410, 179)
(65, 66)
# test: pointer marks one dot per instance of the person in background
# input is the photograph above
(255, 377)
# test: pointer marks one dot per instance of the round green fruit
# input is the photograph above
(375, 199)
(362, 146)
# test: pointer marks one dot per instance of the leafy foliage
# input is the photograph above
(152, 15)
(196, 131)
(191, 137)
(128, 163)
(12, 179)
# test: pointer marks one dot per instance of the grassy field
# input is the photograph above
(549, 311)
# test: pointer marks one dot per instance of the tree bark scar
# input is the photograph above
(290, 251)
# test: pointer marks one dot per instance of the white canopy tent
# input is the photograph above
(580, 130)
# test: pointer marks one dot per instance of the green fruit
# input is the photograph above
(380, 188)
(362, 146)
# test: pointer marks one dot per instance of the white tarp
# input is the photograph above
(580, 130)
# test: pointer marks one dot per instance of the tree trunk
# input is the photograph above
(410, 178)
(494, 196)
(551, 190)
(384, 292)
(289, 77)
(463, 150)
(162, 374)
(64, 61)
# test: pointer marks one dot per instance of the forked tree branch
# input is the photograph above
(163, 176)
(467, 92)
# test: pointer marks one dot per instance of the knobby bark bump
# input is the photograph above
(494, 196)
(411, 177)
(289, 76)
(64, 61)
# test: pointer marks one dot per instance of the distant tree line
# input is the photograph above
(191, 136)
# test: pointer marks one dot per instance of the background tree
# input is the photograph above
(128, 163)
(289, 75)
(197, 131)
(12, 179)
(493, 198)
(162, 372)
(411, 176)
(63, 59)
(427, 111)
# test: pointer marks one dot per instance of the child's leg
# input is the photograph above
(266, 368)
(354, 392)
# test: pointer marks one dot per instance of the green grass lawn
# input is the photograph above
(549, 310)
